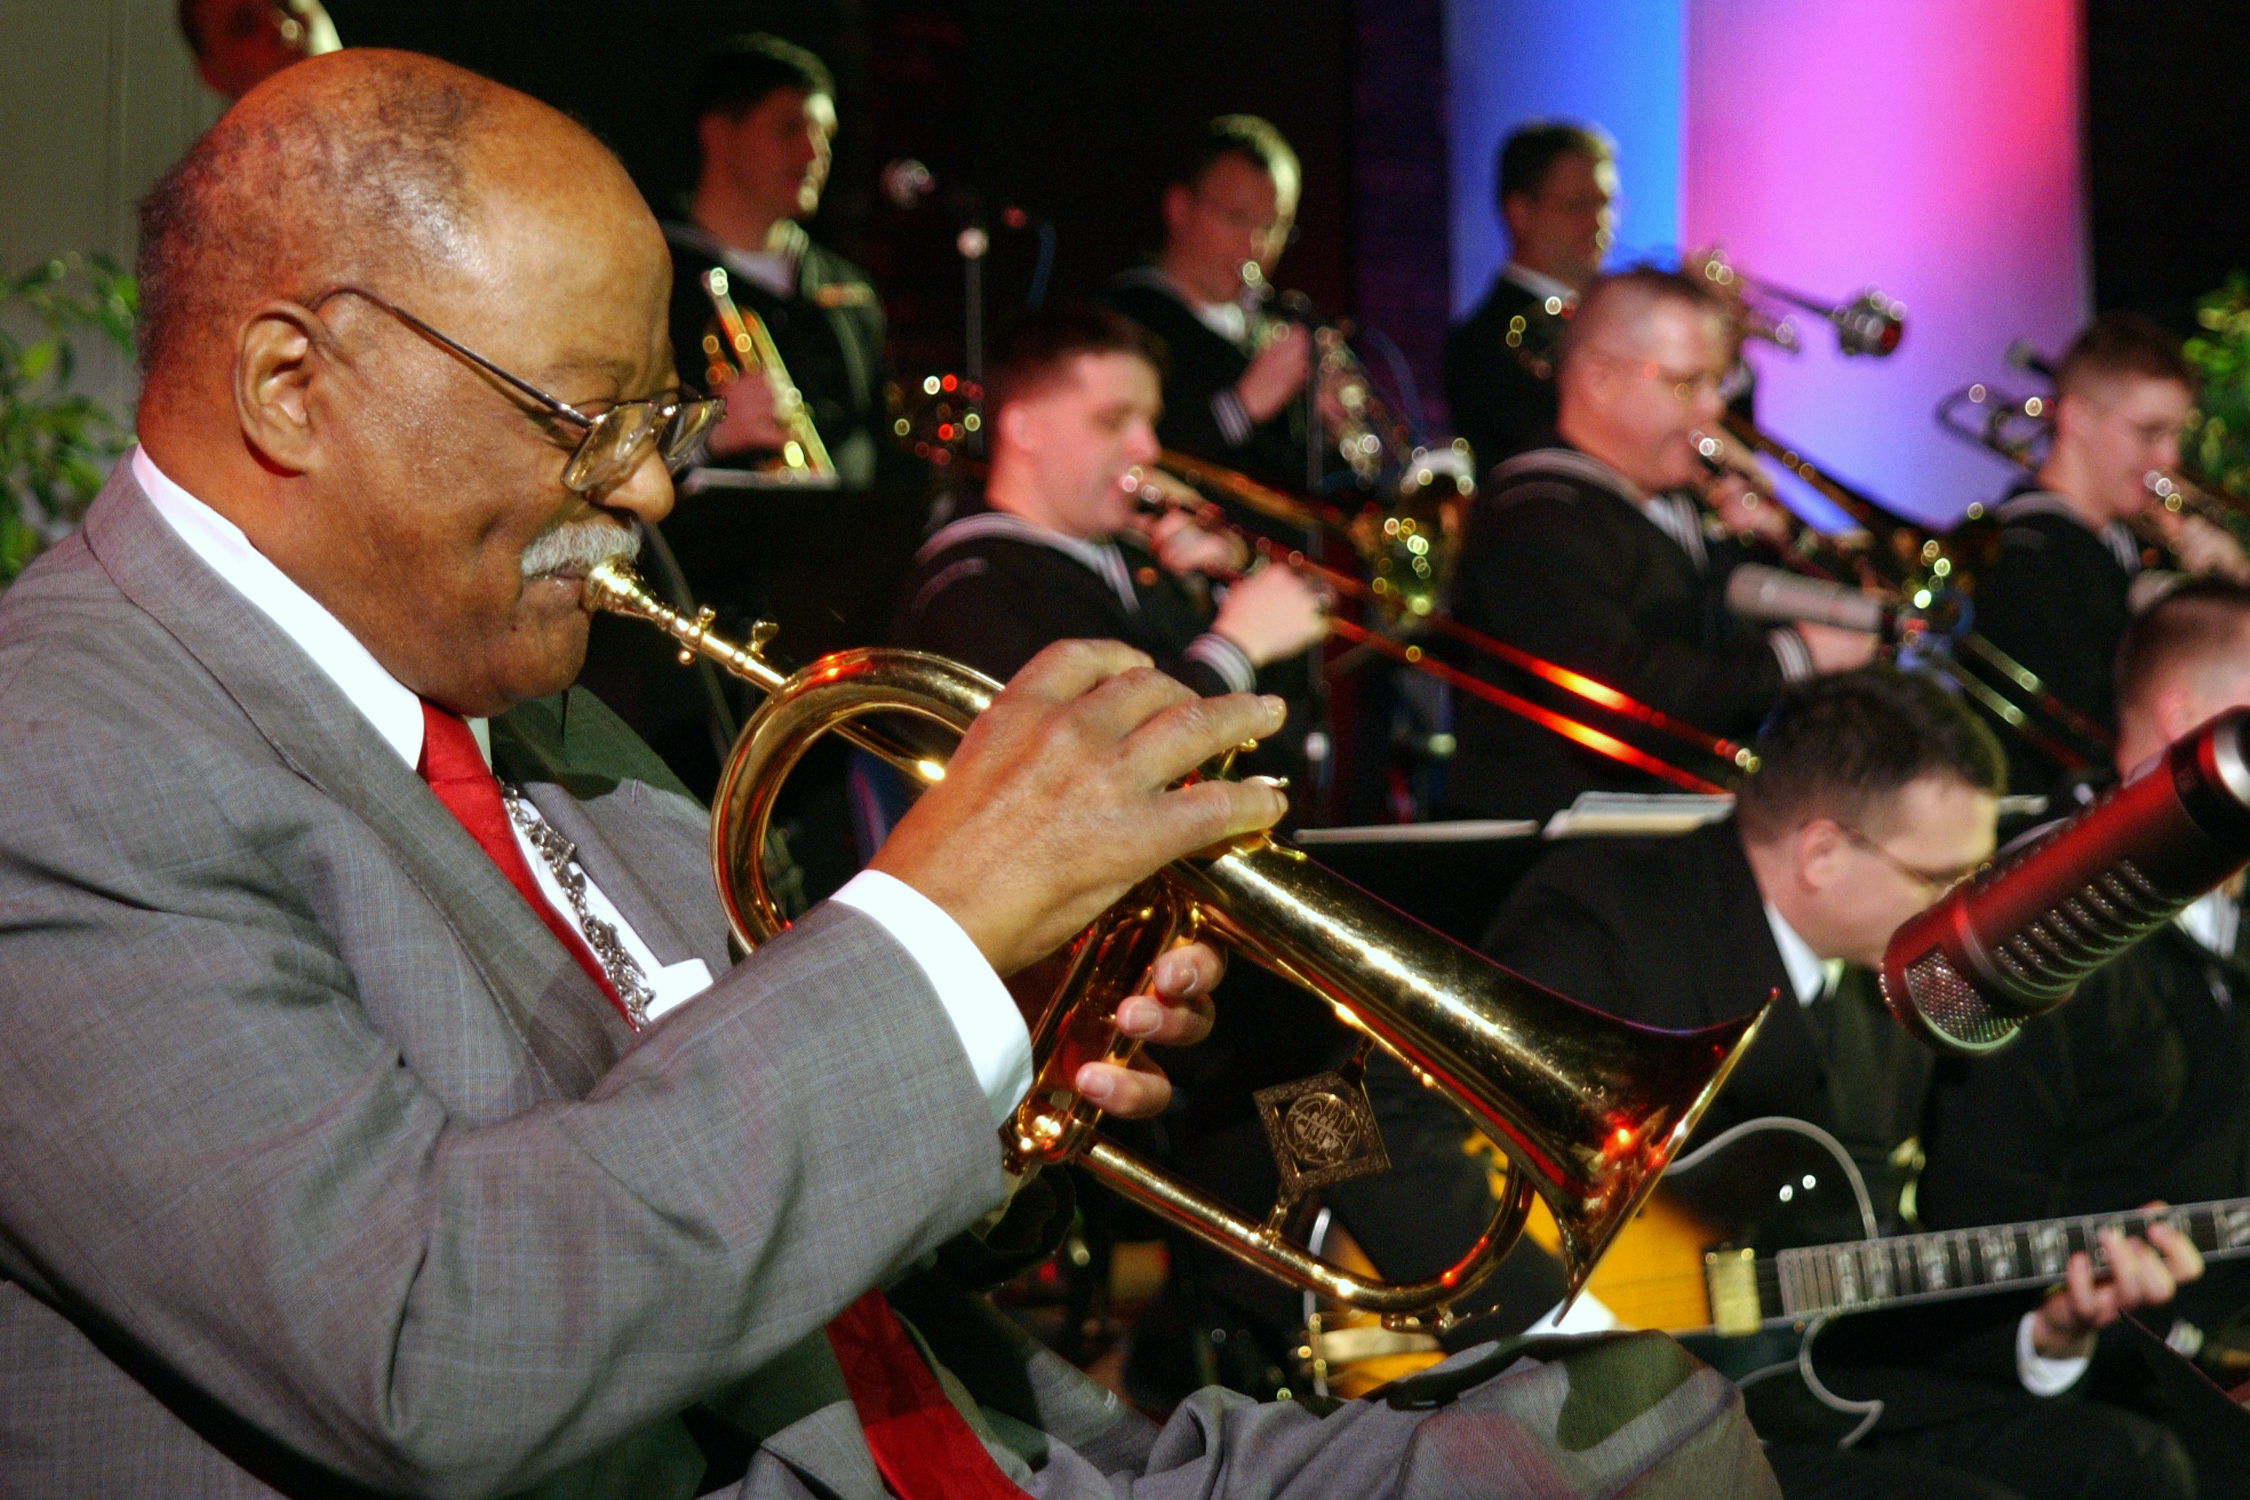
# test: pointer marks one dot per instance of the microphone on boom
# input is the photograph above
(1967, 973)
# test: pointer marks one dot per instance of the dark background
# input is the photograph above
(1073, 111)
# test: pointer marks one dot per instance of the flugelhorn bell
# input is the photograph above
(1587, 1109)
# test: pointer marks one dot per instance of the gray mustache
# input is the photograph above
(576, 546)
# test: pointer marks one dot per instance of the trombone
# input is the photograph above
(1587, 1110)
(1927, 578)
(740, 344)
(1721, 762)
(2019, 428)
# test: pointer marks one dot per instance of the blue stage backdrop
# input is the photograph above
(1927, 147)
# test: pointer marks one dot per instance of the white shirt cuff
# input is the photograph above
(983, 1013)
(2040, 1375)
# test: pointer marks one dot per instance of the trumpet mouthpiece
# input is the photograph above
(612, 584)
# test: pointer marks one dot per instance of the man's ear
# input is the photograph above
(1019, 426)
(1819, 844)
(711, 136)
(1174, 205)
(1515, 209)
(274, 364)
(2072, 413)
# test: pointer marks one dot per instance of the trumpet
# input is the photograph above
(740, 344)
(1374, 440)
(1587, 1110)
(1871, 323)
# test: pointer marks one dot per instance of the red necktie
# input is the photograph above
(923, 1447)
(455, 770)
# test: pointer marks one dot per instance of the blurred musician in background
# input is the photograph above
(1875, 793)
(2059, 595)
(1556, 189)
(239, 44)
(1235, 374)
(765, 114)
(821, 560)
(2139, 1088)
(1073, 404)
(1577, 553)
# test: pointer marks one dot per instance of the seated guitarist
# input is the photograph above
(2139, 1088)
(1876, 791)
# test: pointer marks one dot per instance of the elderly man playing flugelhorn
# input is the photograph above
(381, 1117)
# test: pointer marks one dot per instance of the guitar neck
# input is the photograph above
(1857, 1275)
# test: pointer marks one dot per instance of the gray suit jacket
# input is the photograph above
(320, 1160)
(324, 1170)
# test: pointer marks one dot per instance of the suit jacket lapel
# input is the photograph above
(569, 1027)
(1744, 946)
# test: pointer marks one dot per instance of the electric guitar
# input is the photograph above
(1781, 1239)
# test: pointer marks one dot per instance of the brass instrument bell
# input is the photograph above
(1587, 1109)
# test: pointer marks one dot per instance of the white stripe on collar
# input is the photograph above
(2115, 535)
(775, 270)
(1569, 463)
(389, 705)
(1101, 558)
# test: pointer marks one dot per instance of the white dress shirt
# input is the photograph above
(1810, 977)
(992, 1031)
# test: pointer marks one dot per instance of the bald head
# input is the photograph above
(1642, 360)
(410, 490)
(2185, 659)
(365, 167)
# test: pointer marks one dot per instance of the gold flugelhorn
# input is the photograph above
(742, 345)
(1587, 1109)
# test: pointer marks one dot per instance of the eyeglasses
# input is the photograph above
(1686, 384)
(1939, 881)
(611, 442)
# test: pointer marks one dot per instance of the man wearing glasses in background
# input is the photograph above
(1580, 553)
(1556, 190)
(2063, 589)
(1234, 374)
(1876, 791)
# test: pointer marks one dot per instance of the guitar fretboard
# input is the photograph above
(1925, 1267)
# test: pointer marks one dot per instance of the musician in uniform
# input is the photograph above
(2139, 1087)
(821, 561)
(1875, 793)
(2061, 591)
(1579, 553)
(1054, 552)
(1234, 376)
(1555, 185)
